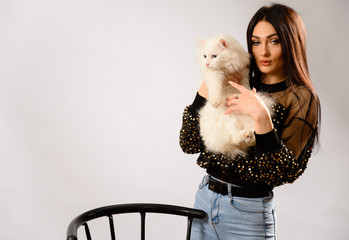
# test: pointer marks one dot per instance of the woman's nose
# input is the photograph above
(265, 50)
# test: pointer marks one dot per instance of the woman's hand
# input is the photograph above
(249, 103)
(235, 77)
(203, 92)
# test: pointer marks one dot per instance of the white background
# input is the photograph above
(91, 100)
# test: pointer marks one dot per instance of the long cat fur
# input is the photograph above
(229, 134)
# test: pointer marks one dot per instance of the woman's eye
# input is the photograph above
(255, 43)
(275, 41)
(214, 56)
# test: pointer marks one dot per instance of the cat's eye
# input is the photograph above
(214, 56)
(205, 56)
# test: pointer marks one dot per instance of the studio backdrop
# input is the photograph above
(91, 101)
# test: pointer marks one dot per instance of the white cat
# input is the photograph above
(230, 134)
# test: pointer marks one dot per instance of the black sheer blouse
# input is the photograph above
(279, 156)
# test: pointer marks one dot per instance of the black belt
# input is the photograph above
(247, 192)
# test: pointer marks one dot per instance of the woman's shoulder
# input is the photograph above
(301, 103)
(306, 92)
(298, 94)
(299, 91)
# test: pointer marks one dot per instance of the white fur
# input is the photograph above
(228, 134)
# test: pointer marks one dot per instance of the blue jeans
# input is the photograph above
(233, 218)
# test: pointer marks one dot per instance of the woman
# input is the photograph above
(237, 193)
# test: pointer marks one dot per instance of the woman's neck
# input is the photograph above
(272, 79)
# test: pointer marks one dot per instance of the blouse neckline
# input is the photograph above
(275, 87)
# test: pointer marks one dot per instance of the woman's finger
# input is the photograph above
(234, 96)
(231, 109)
(232, 102)
(238, 86)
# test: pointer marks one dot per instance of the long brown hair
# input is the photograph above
(292, 35)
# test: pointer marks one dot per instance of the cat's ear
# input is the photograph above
(201, 43)
(222, 43)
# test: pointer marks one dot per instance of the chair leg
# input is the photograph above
(111, 226)
(142, 225)
(190, 221)
(87, 231)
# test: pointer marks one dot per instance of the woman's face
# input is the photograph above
(266, 50)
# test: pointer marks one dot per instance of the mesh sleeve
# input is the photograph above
(301, 121)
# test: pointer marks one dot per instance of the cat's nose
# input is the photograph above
(207, 64)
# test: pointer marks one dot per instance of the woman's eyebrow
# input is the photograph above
(269, 36)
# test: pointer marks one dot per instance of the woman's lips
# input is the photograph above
(265, 63)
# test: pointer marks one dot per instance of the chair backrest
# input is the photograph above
(141, 208)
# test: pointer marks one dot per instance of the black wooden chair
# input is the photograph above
(141, 208)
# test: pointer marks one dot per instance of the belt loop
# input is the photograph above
(206, 179)
(229, 191)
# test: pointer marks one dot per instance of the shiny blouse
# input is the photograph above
(278, 157)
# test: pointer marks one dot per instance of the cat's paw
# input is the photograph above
(249, 138)
(243, 139)
(216, 101)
